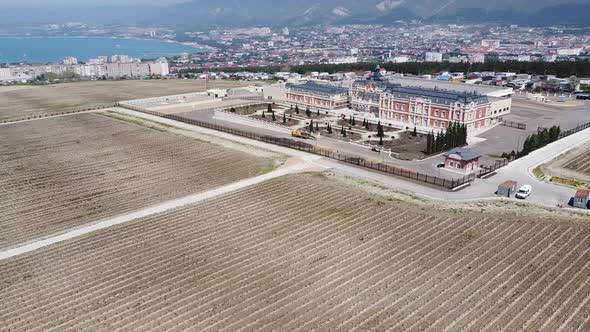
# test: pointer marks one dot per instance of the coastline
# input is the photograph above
(194, 47)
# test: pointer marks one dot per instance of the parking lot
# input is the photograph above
(534, 114)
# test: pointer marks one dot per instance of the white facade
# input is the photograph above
(491, 43)
(70, 61)
(433, 57)
(477, 58)
(5, 74)
(569, 51)
(159, 68)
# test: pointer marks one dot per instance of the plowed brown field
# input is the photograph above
(18, 102)
(63, 172)
(302, 253)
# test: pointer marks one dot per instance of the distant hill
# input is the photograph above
(207, 13)
(259, 12)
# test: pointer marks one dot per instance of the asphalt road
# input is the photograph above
(545, 194)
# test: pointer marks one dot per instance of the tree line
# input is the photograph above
(579, 68)
(455, 136)
(534, 142)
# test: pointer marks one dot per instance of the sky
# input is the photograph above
(79, 3)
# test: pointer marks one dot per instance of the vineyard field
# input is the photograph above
(308, 252)
(59, 173)
(581, 162)
(29, 101)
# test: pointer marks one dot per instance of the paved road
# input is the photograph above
(546, 194)
(533, 114)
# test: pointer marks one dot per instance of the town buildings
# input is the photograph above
(97, 68)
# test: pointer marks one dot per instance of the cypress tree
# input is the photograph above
(317, 127)
(308, 112)
(269, 108)
(284, 118)
(263, 116)
(353, 121)
(297, 109)
(379, 129)
(274, 118)
(380, 140)
(414, 133)
(318, 114)
(439, 142)
(429, 143)
(329, 129)
(311, 126)
(342, 130)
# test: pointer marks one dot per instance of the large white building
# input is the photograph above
(433, 57)
(159, 68)
(70, 60)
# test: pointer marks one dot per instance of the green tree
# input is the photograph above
(344, 133)
(233, 110)
(379, 129)
(318, 113)
(429, 139)
(439, 142)
(353, 121)
(414, 132)
(284, 117)
(317, 127)
(263, 116)
(297, 109)
(269, 108)
(274, 118)
(308, 112)
(381, 141)
(311, 126)
(329, 128)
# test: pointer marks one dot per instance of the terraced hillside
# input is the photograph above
(63, 172)
(308, 252)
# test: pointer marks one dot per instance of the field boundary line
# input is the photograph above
(51, 116)
(215, 133)
(157, 209)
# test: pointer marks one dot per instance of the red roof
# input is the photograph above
(582, 193)
(508, 184)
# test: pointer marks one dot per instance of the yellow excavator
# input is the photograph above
(301, 134)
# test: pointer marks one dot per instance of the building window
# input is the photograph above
(452, 164)
(444, 114)
(403, 107)
(436, 123)
(436, 113)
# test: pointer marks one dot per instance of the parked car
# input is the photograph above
(524, 191)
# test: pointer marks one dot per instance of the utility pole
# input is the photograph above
(207, 78)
